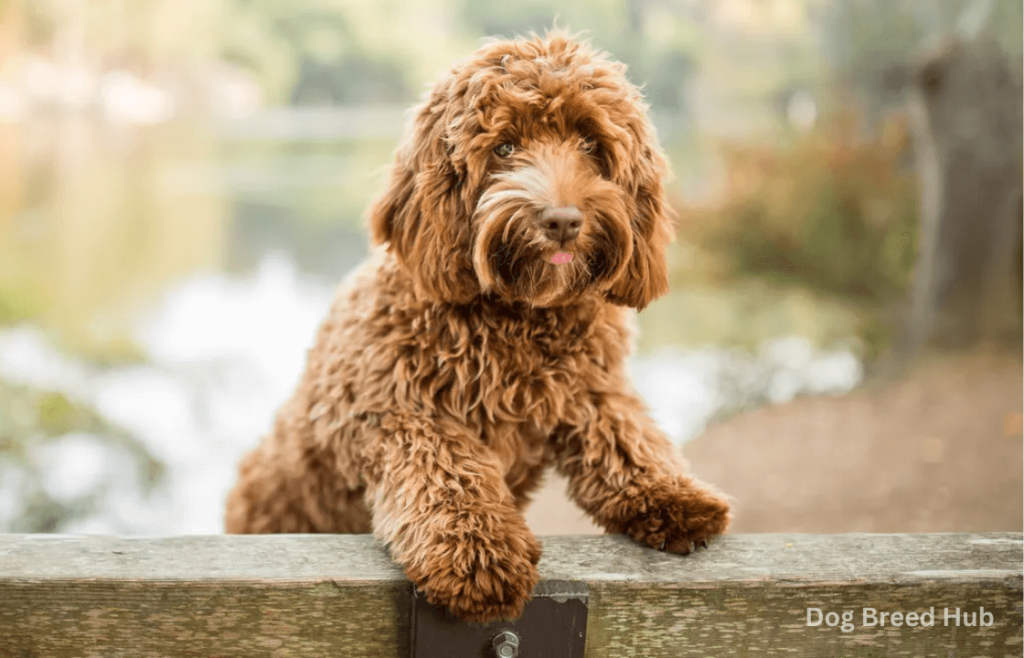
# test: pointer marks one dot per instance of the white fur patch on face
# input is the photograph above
(514, 194)
(492, 199)
(527, 187)
(531, 184)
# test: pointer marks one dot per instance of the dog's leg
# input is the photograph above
(630, 479)
(292, 490)
(439, 500)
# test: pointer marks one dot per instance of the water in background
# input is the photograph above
(171, 278)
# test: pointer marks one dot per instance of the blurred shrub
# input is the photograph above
(31, 418)
(832, 210)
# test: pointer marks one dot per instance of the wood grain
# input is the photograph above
(318, 595)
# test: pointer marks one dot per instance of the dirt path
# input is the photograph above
(939, 450)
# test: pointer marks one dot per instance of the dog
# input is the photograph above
(486, 338)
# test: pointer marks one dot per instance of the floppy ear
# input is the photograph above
(421, 215)
(645, 277)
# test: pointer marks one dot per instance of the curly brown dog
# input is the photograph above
(523, 220)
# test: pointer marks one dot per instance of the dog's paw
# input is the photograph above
(482, 575)
(677, 516)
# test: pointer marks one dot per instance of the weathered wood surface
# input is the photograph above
(316, 595)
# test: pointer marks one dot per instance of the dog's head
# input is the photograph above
(531, 172)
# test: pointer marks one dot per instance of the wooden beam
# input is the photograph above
(340, 595)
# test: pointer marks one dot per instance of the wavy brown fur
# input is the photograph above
(458, 362)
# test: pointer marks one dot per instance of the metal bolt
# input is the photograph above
(506, 644)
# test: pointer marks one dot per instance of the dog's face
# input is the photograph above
(531, 172)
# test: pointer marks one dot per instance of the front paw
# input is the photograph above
(675, 515)
(480, 574)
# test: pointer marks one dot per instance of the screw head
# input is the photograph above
(506, 644)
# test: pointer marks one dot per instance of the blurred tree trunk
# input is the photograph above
(966, 116)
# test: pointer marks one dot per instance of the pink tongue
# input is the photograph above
(560, 258)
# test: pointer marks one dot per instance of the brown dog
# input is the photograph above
(489, 339)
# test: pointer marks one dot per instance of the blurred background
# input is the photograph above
(182, 184)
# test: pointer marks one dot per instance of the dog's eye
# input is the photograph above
(589, 145)
(504, 150)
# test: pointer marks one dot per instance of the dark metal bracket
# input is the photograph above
(553, 625)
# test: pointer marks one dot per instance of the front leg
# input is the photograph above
(440, 502)
(627, 475)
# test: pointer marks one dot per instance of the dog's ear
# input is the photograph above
(421, 213)
(645, 277)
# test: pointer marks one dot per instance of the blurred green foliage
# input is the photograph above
(345, 51)
(16, 305)
(866, 36)
(311, 53)
(745, 313)
(357, 51)
(834, 211)
(333, 51)
(865, 40)
(29, 418)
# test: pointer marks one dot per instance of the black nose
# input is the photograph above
(562, 224)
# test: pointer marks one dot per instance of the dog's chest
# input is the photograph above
(515, 374)
(513, 387)
(492, 367)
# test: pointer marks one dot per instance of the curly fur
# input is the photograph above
(459, 362)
